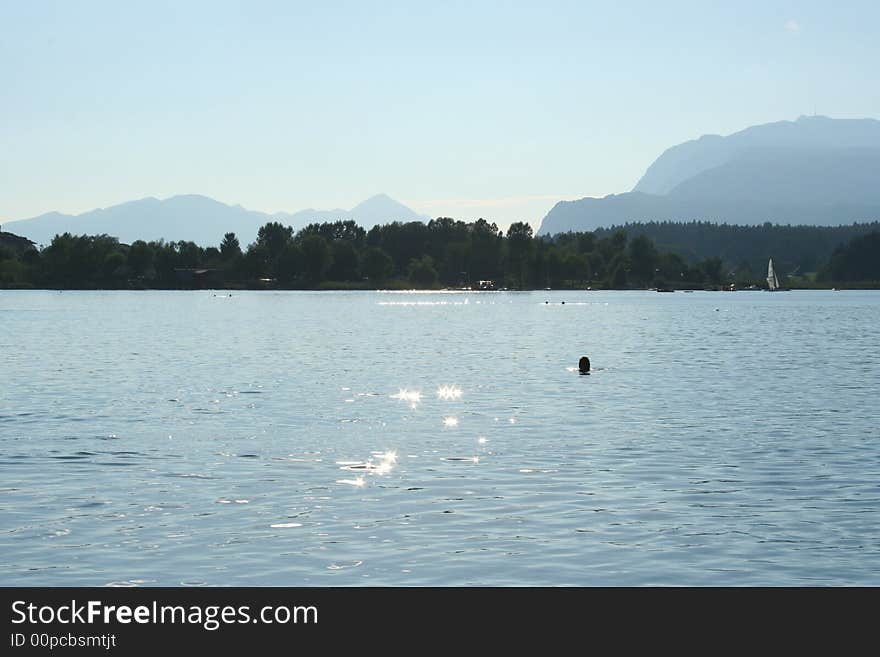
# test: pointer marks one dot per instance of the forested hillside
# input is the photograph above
(449, 253)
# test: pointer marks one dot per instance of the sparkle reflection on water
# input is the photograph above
(291, 438)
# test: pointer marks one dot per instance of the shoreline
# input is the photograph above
(411, 288)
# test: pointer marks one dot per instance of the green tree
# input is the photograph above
(403, 242)
(376, 264)
(858, 260)
(254, 263)
(78, 261)
(290, 263)
(164, 262)
(712, 270)
(189, 254)
(273, 237)
(422, 272)
(485, 253)
(229, 247)
(643, 259)
(672, 267)
(619, 277)
(114, 269)
(140, 258)
(347, 231)
(345, 261)
(519, 250)
(454, 263)
(316, 257)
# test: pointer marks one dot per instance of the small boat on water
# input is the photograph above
(772, 280)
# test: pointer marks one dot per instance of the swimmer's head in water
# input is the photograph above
(584, 364)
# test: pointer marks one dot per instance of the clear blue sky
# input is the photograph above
(466, 109)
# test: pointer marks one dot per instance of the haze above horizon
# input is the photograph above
(465, 110)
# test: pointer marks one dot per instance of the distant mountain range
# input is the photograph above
(197, 218)
(816, 171)
(377, 209)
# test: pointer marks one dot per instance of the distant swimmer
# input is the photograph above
(584, 365)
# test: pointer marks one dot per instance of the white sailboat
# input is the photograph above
(772, 281)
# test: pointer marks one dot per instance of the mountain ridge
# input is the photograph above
(814, 171)
(197, 218)
(691, 157)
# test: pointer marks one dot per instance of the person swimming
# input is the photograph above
(584, 365)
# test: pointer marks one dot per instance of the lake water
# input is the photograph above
(367, 438)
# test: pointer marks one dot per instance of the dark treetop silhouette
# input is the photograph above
(450, 253)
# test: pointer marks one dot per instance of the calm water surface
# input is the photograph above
(290, 438)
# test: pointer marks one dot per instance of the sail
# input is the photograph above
(772, 281)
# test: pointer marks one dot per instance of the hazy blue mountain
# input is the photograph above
(303, 218)
(379, 209)
(190, 217)
(197, 218)
(790, 176)
(813, 171)
(382, 209)
(686, 160)
(631, 207)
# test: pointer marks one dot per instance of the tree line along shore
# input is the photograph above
(446, 253)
